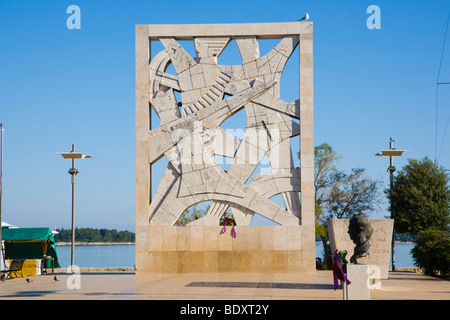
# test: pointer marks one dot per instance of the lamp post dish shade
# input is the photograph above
(73, 155)
(390, 153)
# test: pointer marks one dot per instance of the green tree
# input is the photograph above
(432, 252)
(338, 194)
(324, 169)
(193, 213)
(351, 194)
(190, 215)
(94, 235)
(420, 197)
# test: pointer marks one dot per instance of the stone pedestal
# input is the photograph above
(380, 242)
(206, 249)
(359, 289)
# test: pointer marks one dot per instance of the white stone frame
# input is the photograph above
(146, 152)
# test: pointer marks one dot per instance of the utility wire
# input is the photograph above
(442, 144)
(436, 159)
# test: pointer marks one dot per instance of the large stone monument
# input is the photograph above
(191, 106)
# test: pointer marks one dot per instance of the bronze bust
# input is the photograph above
(360, 232)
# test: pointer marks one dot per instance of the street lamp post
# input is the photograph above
(391, 152)
(72, 155)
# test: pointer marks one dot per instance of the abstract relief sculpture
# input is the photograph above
(193, 101)
(191, 137)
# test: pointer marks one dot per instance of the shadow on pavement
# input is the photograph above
(270, 285)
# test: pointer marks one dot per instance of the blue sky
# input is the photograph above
(60, 87)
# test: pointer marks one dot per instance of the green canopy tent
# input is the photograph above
(29, 243)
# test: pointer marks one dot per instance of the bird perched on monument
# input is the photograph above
(306, 17)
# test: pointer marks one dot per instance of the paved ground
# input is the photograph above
(128, 285)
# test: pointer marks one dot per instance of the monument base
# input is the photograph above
(208, 249)
(359, 289)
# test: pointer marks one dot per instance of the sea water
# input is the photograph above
(97, 256)
(122, 255)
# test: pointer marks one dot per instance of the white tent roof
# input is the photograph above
(7, 225)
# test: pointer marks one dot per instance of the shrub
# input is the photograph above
(432, 252)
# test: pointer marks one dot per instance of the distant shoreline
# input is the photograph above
(77, 243)
(81, 243)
